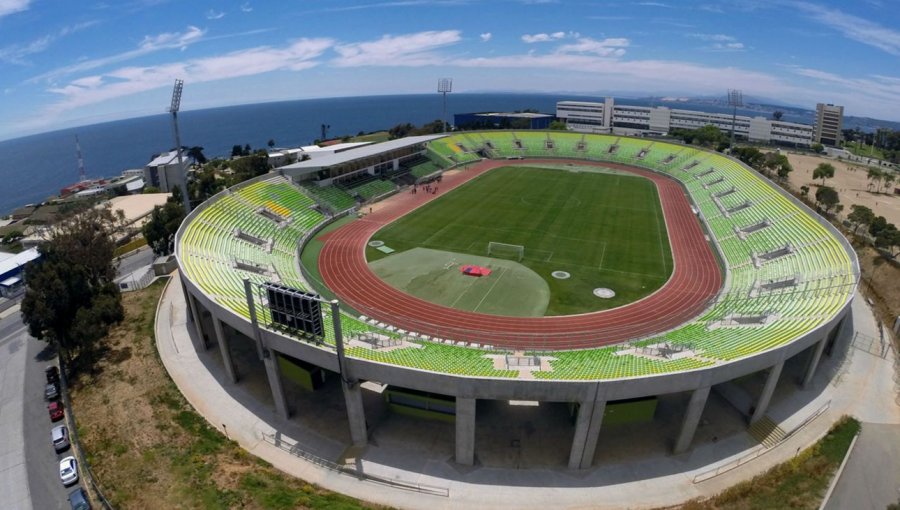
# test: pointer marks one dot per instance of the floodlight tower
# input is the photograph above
(735, 100)
(445, 86)
(173, 109)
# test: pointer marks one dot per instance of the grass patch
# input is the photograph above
(130, 246)
(376, 137)
(149, 449)
(798, 483)
(605, 230)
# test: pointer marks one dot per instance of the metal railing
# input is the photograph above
(296, 450)
(759, 450)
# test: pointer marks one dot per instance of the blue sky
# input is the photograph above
(68, 63)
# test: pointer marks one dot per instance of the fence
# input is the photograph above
(296, 450)
(759, 450)
(90, 479)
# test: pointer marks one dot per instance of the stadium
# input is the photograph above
(609, 272)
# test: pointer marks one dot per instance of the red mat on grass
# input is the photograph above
(469, 269)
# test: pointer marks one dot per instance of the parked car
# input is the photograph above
(52, 374)
(78, 499)
(68, 471)
(56, 411)
(60, 437)
(51, 391)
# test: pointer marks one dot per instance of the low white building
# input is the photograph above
(608, 117)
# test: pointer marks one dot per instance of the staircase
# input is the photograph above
(767, 432)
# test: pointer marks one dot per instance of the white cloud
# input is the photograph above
(13, 6)
(396, 50)
(485, 37)
(301, 54)
(211, 14)
(542, 37)
(719, 42)
(18, 53)
(610, 47)
(149, 44)
(246, 7)
(855, 28)
(713, 37)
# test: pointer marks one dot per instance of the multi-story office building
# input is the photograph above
(829, 122)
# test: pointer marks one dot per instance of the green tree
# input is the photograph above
(196, 154)
(164, 221)
(72, 299)
(889, 239)
(777, 114)
(827, 197)
(750, 156)
(874, 176)
(779, 164)
(151, 189)
(708, 135)
(558, 125)
(877, 225)
(247, 150)
(860, 215)
(271, 143)
(249, 167)
(818, 148)
(823, 171)
(805, 191)
(236, 151)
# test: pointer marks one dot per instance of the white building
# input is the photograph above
(608, 117)
(165, 173)
(829, 123)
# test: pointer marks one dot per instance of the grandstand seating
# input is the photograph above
(821, 270)
(372, 188)
(332, 197)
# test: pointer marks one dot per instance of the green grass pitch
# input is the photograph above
(606, 230)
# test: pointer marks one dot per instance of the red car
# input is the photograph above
(56, 411)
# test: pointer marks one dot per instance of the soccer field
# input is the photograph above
(605, 229)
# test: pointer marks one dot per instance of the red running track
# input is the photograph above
(694, 281)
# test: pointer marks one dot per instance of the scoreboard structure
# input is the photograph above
(298, 312)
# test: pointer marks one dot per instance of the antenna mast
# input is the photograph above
(173, 109)
(445, 86)
(81, 176)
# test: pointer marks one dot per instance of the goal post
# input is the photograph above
(505, 250)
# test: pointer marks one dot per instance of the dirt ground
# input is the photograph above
(850, 182)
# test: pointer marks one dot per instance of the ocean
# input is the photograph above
(34, 168)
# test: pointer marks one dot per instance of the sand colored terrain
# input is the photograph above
(850, 182)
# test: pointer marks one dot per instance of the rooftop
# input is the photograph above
(19, 259)
(360, 152)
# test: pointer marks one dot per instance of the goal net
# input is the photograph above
(508, 251)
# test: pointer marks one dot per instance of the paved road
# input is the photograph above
(871, 478)
(13, 357)
(134, 261)
(41, 462)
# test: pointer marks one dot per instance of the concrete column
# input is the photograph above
(273, 371)
(762, 405)
(814, 362)
(691, 419)
(225, 350)
(587, 431)
(465, 431)
(356, 415)
(197, 338)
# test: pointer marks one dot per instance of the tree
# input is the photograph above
(708, 135)
(779, 164)
(151, 189)
(236, 151)
(889, 239)
(823, 171)
(818, 148)
(877, 225)
(271, 143)
(874, 176)
(750, 156)
(777, 114)
(164, 221)
(827, 197)
(247, 150)
(558, 125)
(72, 299)
(196, 153)
(249, 167)
(860, 215)
(805, 191)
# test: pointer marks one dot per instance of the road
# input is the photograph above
(871, 478)
(135, 260)
(23, 360)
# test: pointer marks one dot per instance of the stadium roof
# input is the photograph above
(20, 259)
(361, 152)
(514, 115)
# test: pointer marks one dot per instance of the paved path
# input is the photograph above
(13, 358)
(652, 482)
(871, 478)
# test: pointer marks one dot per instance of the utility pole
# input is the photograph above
(173, 109)
(735, 99)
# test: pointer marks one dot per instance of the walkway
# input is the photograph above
(861, 385)
(13, 359)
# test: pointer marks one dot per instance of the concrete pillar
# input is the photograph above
(762, 405)
(814, 362)
(587, 430)
(465, 431)
(197, 320)
(225, 350)
(691, 419)
(356, 415)
(273, 372)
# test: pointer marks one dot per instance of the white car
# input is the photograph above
(68, 471)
